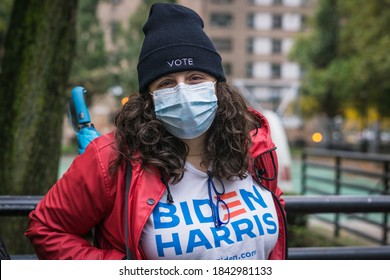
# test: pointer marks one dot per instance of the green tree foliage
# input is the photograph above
(345, 57)
(346, 60)
(39, 48)
(316, 52)
(5, 12)
(366, 40)
(90, 67)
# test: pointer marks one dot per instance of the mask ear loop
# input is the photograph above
(262, 171)
(169, 195)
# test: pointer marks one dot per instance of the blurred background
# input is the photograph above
(318, 69)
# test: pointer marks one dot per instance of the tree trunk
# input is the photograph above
(39, 47)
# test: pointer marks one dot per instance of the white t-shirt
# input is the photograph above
(185, 229)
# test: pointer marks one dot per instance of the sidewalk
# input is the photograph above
(347, 238)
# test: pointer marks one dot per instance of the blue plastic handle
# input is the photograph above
(79, 105)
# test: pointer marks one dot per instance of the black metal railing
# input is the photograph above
(332, 172)
(295, 204)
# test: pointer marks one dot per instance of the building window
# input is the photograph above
(227, 69)
(276, 21)
(223, 44)
(114, 30)
(276, 46)
(276, 71)
(221, 20)
(304, 22)
(250, 45)
(222, 1)
(304, 3)
(250, 20)
(249, 70)
(267, 2)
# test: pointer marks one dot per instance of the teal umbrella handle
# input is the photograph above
(86, 130)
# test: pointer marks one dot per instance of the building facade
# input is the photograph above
(254, 38)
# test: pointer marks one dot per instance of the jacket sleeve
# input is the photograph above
(71, 208)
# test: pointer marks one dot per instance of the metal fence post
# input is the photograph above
(337, 192)
(303, 172)
(386, 192)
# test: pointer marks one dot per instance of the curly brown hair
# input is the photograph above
(141, 137)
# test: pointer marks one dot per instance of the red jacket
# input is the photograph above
(87, 197)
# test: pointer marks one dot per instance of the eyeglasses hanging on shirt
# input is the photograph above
(265, 168)
(216, 190)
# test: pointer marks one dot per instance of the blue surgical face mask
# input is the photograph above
(187, 111)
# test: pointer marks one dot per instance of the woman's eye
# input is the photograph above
(165, 84)
(196, 79)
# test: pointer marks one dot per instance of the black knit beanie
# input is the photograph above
(175, 41)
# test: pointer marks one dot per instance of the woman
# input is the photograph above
(188, 173)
